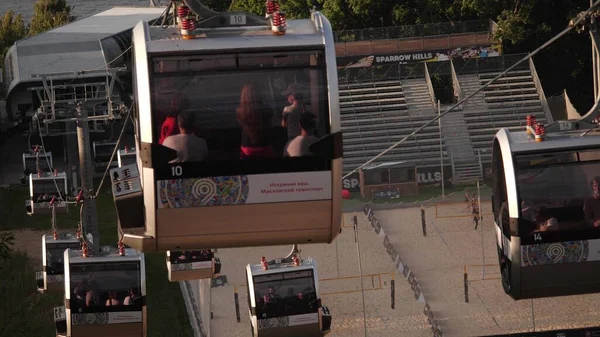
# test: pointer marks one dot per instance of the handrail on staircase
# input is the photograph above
(456, 85)
(429, 85)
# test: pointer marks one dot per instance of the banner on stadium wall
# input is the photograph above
(425, 176)
(361, 61)
(433, 175)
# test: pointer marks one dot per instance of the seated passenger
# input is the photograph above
(591, 208)
(92, 298)
(292, 113)
(544, 220)
(298, 146)
(255, 118)
(170, 126)
(112, 299)
(189, 147)
(134, 295)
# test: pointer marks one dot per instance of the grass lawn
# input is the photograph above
(27, 313)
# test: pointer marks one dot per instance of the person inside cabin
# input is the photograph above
(134, 295)
(292, 113)
(80, 293)
(591, 207)
(92, 297)
(170, 126)
(273, 293)
(255, 119)
(544, 221)
(299, 146)
(112, 299)
(189, 147)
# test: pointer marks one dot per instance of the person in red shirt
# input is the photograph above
(170, 126)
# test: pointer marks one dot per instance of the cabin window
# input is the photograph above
(232, 107)
(558, 191)
(285, 294)
(93, 284)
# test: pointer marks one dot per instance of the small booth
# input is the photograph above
(389, 180)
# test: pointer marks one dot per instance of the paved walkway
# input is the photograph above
(438, 261)
(339, 285)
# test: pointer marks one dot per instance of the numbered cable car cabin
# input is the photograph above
(284, 300)
(241, 184)
(36, 160)
(102, 151)
(105, 294)
(51, 278)
(192, 265)
(546, 204)
(126, 157)
(43, 187)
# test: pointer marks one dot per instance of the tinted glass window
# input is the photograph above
(558, 191)
(44, 190)
(92, 285)
(241, 106)
(285, 294)
(55, 256)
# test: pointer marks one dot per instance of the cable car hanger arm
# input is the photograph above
(575, 22)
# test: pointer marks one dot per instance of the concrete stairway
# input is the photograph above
(465, 163)
(417, 95)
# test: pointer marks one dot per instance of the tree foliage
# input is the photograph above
(522, 26)
(7, 239)
(48, 14)
(12, 29)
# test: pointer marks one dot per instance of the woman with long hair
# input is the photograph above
(255, 118)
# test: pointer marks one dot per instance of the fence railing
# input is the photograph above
(429, 84)
(399, 32)
(540, 91)
(382, 72)
(456, 85)
(489, 64)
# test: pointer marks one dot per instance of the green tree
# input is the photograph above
(294, 9)
(7, 239)
(48, 14)
(12, 29)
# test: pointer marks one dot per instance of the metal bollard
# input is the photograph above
(237, 304)
(393, 291)
(466, 285)
(423, 221)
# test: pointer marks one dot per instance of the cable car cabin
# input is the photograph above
(117, 304)
(250, 103)
(284, 300)
(546, 204)
(389, 180)
(192, 265)
(126, 157)
(42, 188)
(53, 268)
(32, 159)
(102, 151)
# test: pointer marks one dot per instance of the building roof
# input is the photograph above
(82, 45)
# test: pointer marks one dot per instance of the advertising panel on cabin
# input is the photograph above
(425, 176)
(362, 61)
